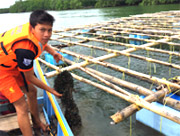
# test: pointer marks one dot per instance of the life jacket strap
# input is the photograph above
(5, 66)
(3, 34)
(3, 48)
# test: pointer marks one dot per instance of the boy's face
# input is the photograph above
(42, 32)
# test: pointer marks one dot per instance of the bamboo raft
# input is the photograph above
(144, 47)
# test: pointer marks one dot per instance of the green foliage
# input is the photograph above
(75, 4)
(30, 5)
(4, 10)
(107, 3)
(132, 2)
(19, 6)
(88, 3)
(59, 5)
(155, 2)
(149, 2)
(66, 4)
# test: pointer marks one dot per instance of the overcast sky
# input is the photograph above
(6, 3)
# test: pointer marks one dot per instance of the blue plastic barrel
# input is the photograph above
(137, 36)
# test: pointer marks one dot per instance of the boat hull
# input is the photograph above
(159, 123)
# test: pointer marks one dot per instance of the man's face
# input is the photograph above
(42, 32)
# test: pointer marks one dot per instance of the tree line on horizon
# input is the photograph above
(30, 5)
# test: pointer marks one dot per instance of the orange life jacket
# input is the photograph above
(9, 38)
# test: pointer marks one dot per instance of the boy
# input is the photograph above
(19, 47)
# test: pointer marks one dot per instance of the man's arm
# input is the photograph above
(55, 54)
(29, 75)
(25, 56)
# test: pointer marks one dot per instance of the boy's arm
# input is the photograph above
(29, 75)
(54, 53)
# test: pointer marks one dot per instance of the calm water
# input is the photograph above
(96, 106)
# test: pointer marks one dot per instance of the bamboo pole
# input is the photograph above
(128, 31)
(105, 82)
(115, 67)
(114, 35)
(139, 89)
(128, 111)
(147, 25)
(70, 43)
(137, 101)
(135, 33)
(140, 31)
(133, 99)
(146, 22)
(126, 54)
(143, 27)
(160, 18)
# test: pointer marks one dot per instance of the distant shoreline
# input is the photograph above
(28, 6)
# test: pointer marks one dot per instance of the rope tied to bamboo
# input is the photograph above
(148, 60)
(167, 84)
(137, 99)
(87, 60)
(128, 54)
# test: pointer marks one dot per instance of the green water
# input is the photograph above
(132, 10)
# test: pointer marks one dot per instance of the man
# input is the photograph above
(18, 48)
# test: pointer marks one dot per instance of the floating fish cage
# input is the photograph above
(144, 47)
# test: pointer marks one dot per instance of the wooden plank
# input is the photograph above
(9, 122)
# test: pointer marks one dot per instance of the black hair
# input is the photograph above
(41, 17)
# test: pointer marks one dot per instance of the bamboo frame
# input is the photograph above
(99, 60)
(145, 47)
(162, 28)
(132, 98)
(126, 54)
(128, 111)
(139, 89)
